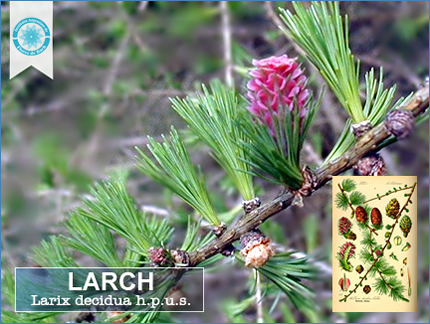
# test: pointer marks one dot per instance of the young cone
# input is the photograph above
(346, 252)
(281, 111)
(405, 225)
(277, 83)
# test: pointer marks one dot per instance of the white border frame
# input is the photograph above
(157, 268)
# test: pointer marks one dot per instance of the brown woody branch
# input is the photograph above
(417, 104)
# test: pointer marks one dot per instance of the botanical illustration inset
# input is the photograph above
(374, 243)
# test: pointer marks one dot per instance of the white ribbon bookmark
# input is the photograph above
(31, 33)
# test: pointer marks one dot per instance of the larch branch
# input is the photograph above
(417, 104)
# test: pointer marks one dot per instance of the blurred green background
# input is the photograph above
(115, 66)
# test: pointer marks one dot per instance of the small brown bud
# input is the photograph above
(257, 248)
(361, 128)
(218, 230)
(180, 257)
(159, 256)
(400, 123)
(250, 205)
(370, 165)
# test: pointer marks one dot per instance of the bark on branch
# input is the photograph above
(417, 104)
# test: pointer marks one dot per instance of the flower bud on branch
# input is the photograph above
(278, 85)
(281, 111)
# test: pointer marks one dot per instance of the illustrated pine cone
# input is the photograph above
(344, 225)
(392, 209)
(359, 268)
(361, 215)
(376, 217)
(405, 225)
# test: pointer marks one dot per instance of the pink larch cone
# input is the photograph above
(277, 83)
(344, 225)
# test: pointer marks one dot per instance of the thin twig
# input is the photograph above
(375, 259)
(91, 146)
(132, 25)
(114, 68)
(377, 197)
(258, 299)
(226, 36)
(418, 103)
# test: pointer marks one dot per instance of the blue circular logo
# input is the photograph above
(31, 36)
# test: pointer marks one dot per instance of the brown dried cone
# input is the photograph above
(370, 165)
(376, 217)
(361, 214)
(400, 123)
(256, 248)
